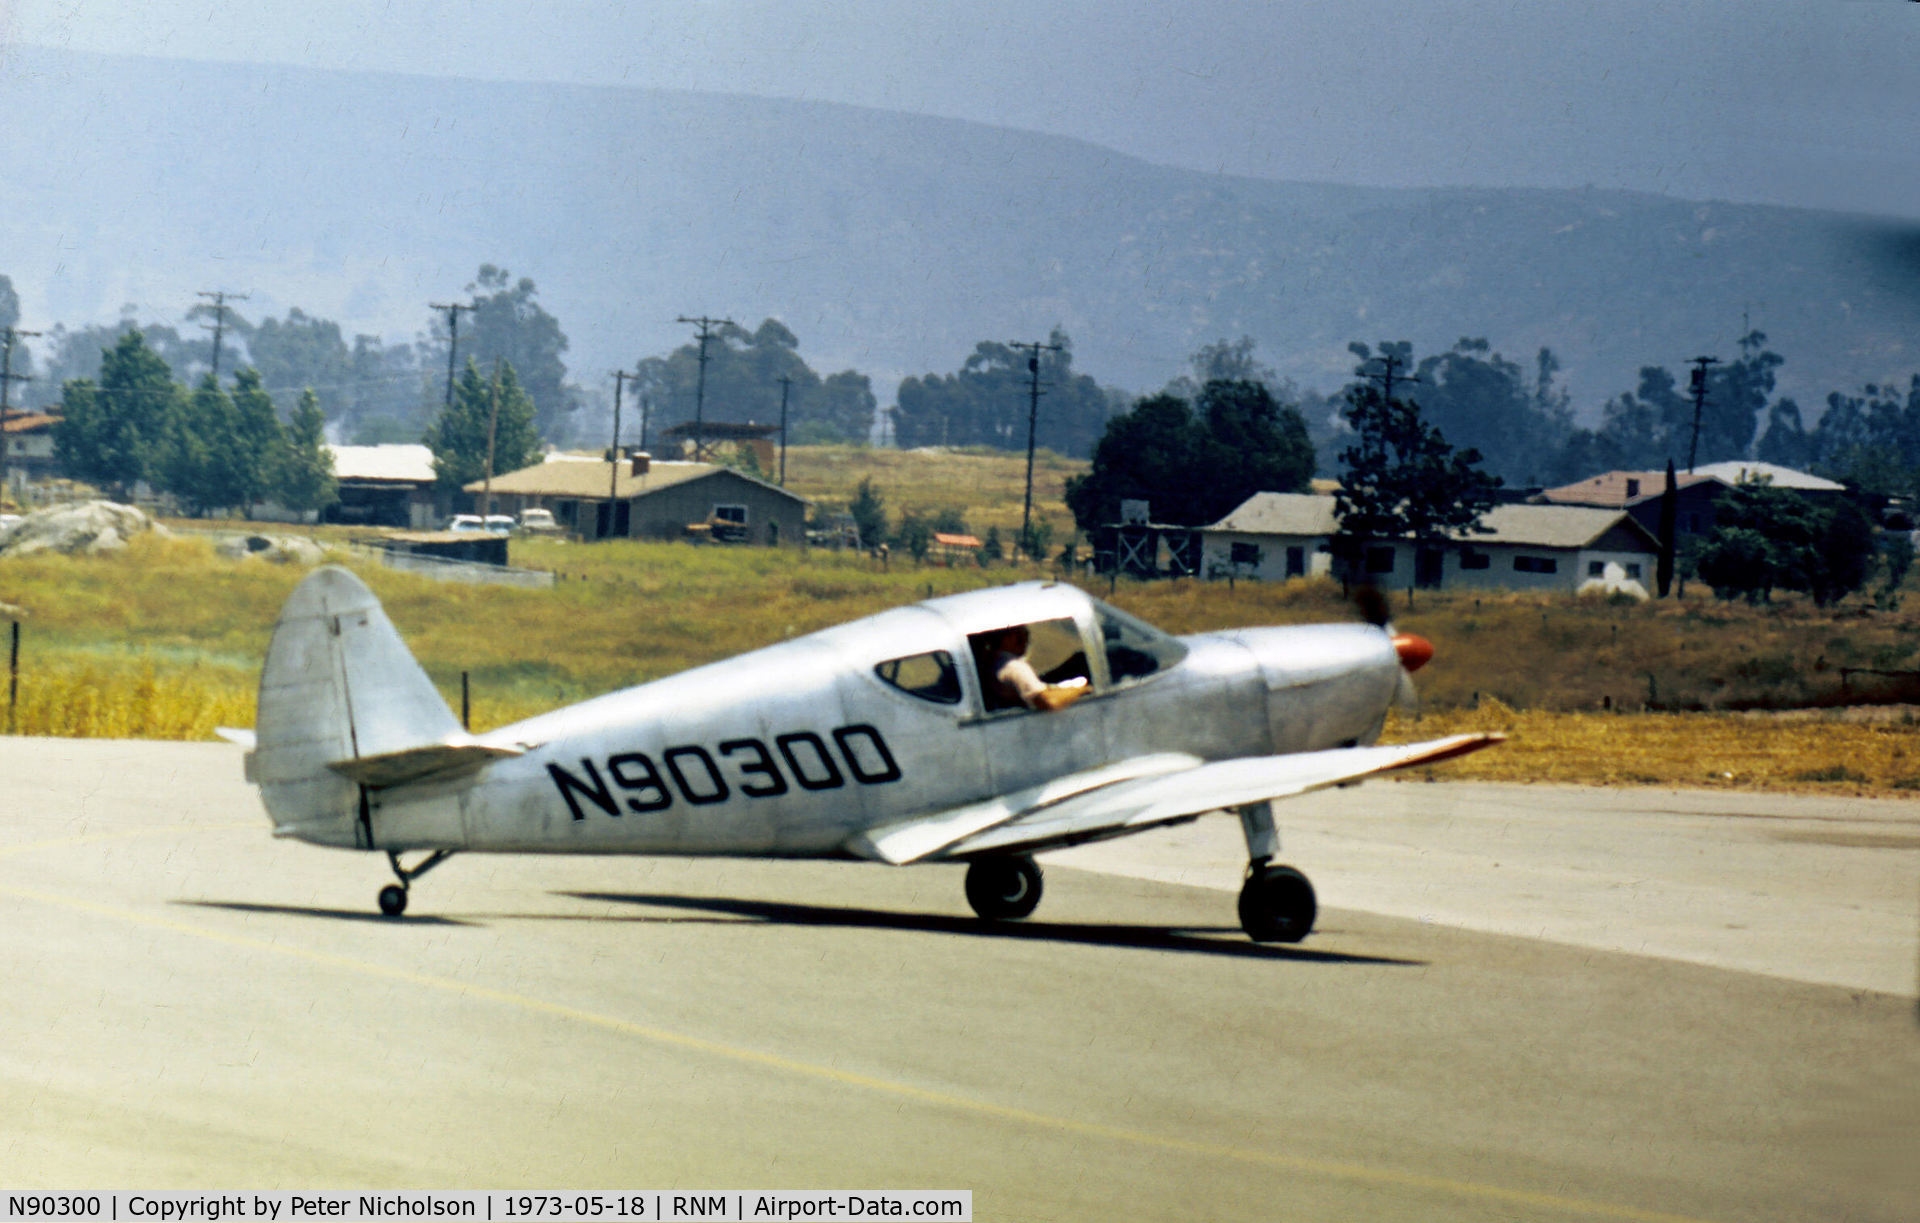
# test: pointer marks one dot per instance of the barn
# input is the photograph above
(639, 498)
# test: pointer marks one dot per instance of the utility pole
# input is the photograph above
(1033, 351)
(1699, 404)
(620, 377)
(786, 384)
(220, 298)
(7, 379)
(493, 421)
(453, 310)
(706, 326)
(1385, 378)
(646, 417)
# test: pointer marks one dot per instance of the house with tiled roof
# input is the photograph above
(1697, 492)
(29, 445)
(1274, 536)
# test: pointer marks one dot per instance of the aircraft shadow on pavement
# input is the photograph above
(359, 915)
(1193, 940)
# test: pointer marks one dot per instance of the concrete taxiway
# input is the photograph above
(191, 1004)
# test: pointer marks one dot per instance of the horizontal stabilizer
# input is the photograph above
(434, 760)
(1132, 805)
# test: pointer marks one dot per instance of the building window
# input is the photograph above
(1245, 554)
(1471, 559)
(1296, 562)
(1633, 571)
(1596, 569)
(730, 513)
(1535, 564)
(1380, 560)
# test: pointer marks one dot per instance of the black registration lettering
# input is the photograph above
(761, 763)
(872, 764)
(674, 755)
(570, 785)
(825, 775)
(634, 772)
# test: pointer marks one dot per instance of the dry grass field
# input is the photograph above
(987, 487)
(165, 640)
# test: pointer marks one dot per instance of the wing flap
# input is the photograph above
(914, 839)
(1160, 799)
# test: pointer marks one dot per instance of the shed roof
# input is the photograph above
(588, 479)
(1735, 471)
(409, 463)
(30, 422)
(1281, 514)
(1553, 526)
(1609, 488)
(1541, 526)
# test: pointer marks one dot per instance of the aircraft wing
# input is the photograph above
(914, 839)
(1132, 801)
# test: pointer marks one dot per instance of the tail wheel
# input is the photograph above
(1003, 889)
(1277, 905)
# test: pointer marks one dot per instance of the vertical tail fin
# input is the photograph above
(338, 685)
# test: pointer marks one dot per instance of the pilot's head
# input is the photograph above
(1014, 640)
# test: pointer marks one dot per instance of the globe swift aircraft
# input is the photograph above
(887, 739)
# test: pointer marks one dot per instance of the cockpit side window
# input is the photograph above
(930, 676)
(1135, 649)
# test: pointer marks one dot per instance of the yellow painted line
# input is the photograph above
(936, 1099)
(97, 838)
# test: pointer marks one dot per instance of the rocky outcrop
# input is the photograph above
(280, 549)
(87, 528)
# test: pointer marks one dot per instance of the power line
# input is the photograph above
(453, 310)
(220, 298)
(1699, 404)
(706, 326)
(620, 378)
(786, 384)
(1033, 351)
(7, 379)
(1385, 378)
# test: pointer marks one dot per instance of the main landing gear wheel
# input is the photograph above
(393, 900)
(1003, 889)
(1277, 905)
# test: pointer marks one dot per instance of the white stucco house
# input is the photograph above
(1274, 536)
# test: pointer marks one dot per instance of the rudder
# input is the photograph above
(338, 684)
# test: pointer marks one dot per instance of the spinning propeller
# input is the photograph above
(1415, 651)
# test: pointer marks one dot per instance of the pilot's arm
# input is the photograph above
(1018, 674)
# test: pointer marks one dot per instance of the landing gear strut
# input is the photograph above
(393, 897)
(1003, 889)
(1277, 904)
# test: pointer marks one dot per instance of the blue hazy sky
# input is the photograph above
(1805, 104)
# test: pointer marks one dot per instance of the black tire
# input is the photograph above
(1277, 905)
(393, 900)
(1003, 889)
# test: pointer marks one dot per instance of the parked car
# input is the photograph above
(539, 522)
(466, 522)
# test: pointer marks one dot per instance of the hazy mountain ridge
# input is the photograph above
(890, 243)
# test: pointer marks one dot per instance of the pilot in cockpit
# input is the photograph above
(1009, 680)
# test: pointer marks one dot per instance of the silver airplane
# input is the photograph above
(893, 739)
